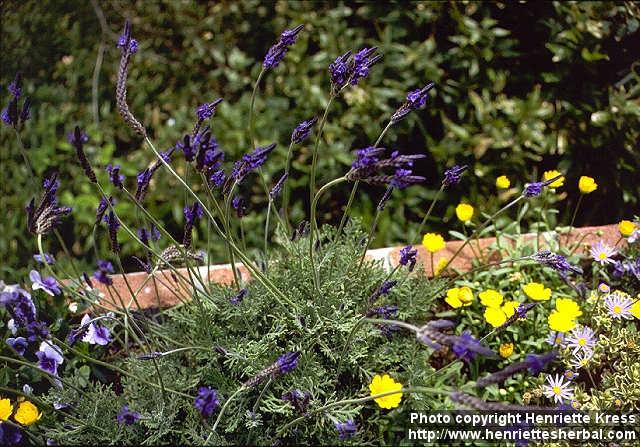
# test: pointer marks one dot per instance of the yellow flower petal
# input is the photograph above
(626, 227)
(635, 309)
(433, 242)
(537, 291)
(27, 413)
(569, 307)
(561, 322)
(459, 296)
(494, 316)
(506, 349)
(384, 384)
(5, 409)
(548, 175)
(503, 182)
(442, 262)
(464, 212)
(509, 308)
(490, 298)
(587, 185)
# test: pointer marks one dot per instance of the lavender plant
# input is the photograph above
(302, 351)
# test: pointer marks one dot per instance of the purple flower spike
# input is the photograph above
(350, 68)
(239, 297)
(48, 214)
(408, 256)
(277, 52)
(10, 434)
(114, 175)
(48, 284)
(102, 274)
(287, 362)
(347, 429)
(251, 162)
(207, 401)
(48, 258)
(206, 110)
(302, 131)
(127, 416)
(415, 100)
(466, 347)
(452, 176)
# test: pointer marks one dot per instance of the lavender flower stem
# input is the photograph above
(312, 175)
(314, 204)
(482, 227)
(357, 401)
(415, 238)
(266, 231)
(227, 220)
(372, 229)
(352, 333)
(251, 107)
(224, 407)
(354, 189)
(246, 261)
(573, 219)
(286, 192)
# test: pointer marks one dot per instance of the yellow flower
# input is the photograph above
(561, 322)
(494, 316)
(569, 307)
(635, 310)
(464, 212)
(626, 227)
(442, 262)
(587, 185)
(506, 349)
(459, 296)
(433, 242)
(503, 182)
(27, 413)
(5, 409)
(384, 384)
(537, 291)
(548, 175)
(509, 308)
(490, 298)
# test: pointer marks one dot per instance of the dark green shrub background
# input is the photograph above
(521, 88)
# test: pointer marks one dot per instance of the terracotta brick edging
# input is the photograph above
(166, 289)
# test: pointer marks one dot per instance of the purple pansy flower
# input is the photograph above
(49, 357)
(48, 284)
(95, 334)
(19, 344)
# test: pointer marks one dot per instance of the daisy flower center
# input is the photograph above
(602, 255)
(617, 309)
(582, 341)
(557, 390)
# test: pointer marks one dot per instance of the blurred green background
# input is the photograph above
(521, 88)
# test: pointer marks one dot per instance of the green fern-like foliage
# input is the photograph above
(232, 343)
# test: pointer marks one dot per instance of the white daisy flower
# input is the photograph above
(557, 389)
(582, 358)
(603, 253)
(580, 339)
(618, 306)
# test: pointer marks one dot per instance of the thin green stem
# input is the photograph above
(286, 190)
(251, 108)
(224, 407)
(314, 160)
(416, 235)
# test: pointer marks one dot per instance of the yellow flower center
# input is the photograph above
(602, 256)
(557, 390)
(582, 341)
(617, 309)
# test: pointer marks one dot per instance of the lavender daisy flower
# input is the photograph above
(127, 417)
(239, 297)
(408, 256)
(95, 334)
(346, 430)
(277, 52)
(207, 401)
(102, 274)
(582, 358)
(114, 175)
(299, 399)
(581, 339)
(49, 284)
(19, 344)
(452, 176)
(48, 214)
(604, 287)
(555, 338)
(602, 253)
(250, 162)
(619, 306)
(47, 259)
(557, 389)
(302, 131)
(415, 100)
(49, 357)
